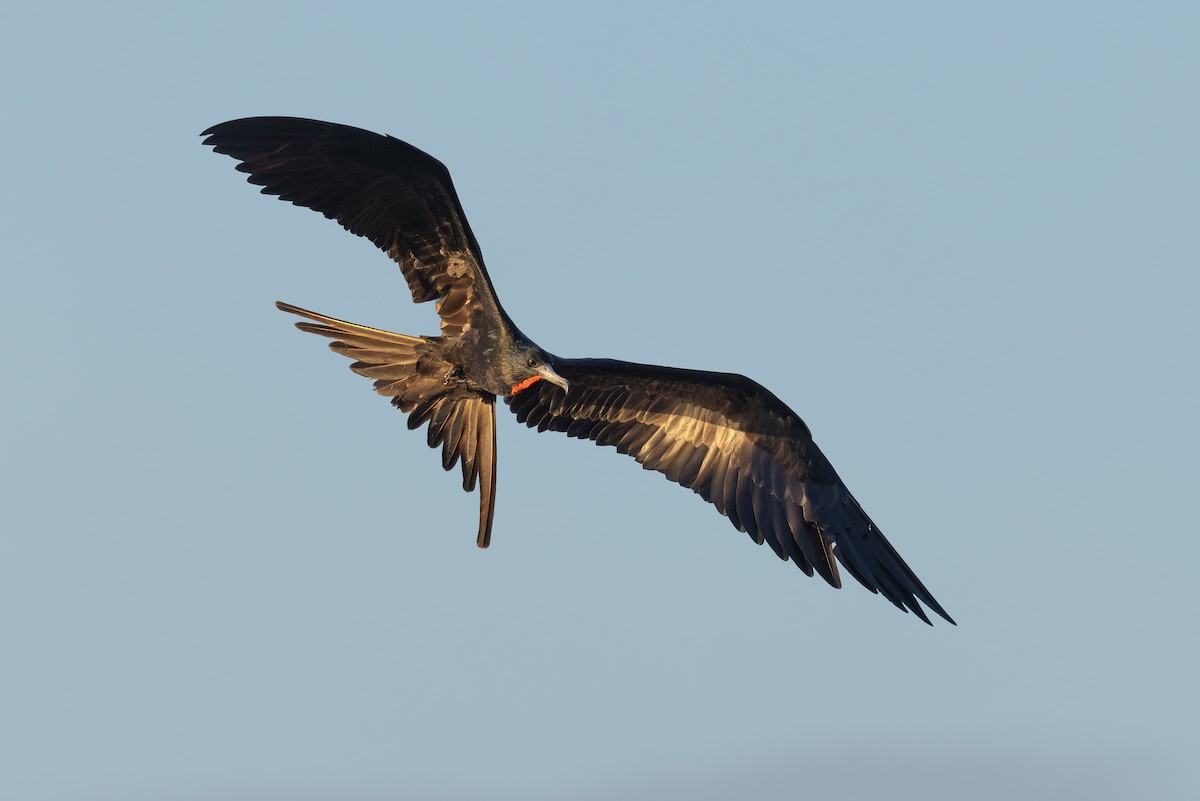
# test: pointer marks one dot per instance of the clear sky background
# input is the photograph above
(963, 243)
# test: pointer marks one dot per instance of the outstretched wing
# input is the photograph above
(378, 187)
(741, 449)
(410, 371)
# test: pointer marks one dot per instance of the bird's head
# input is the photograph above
(525, 366)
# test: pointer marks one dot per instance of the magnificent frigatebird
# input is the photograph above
(721, 435)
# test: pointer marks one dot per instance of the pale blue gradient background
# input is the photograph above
(962, 243)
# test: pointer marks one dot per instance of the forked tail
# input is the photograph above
(419, 379)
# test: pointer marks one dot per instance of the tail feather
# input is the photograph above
(487, 473)
(414, 373)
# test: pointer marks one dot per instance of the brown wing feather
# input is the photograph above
(410, 370)
(399, 197)
(740, 448)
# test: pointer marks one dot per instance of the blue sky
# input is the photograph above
(962, 243)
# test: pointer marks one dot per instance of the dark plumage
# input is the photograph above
(722, 435)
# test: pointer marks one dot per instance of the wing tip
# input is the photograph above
(942, 614)
(930, 604)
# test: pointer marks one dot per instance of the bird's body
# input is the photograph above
(722, 435)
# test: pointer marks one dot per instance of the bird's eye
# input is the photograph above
(532, 361)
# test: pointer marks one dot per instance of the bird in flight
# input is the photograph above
(721, 435)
